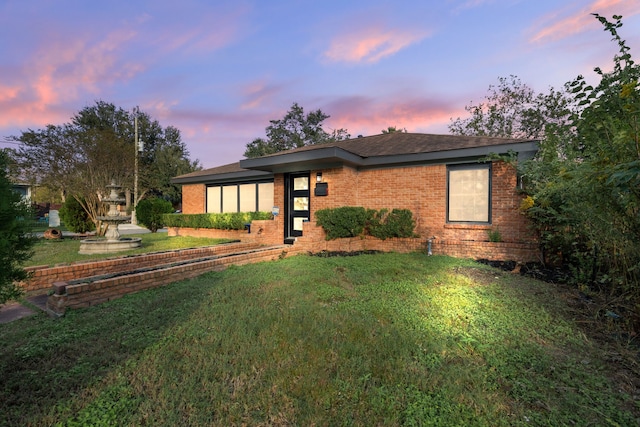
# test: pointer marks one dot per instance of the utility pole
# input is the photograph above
(134, 220)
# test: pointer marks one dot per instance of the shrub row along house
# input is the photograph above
(464, 199)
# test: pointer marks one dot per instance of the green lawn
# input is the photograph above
(51, 252)
(387, 339)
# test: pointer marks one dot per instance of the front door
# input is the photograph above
(297, 196)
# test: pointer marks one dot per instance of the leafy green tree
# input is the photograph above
(513, 110)
(15, 241)
(150, 212)
(82, 157)
(294, 130)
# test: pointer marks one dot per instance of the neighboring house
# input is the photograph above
(456, 195)
(23, 189)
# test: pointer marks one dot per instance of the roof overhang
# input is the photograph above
(245, 175)
(329, 157)
(321, 158)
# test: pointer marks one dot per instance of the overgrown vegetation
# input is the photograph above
(354, 221)
(584, 184)
(221, 221)
(150, 212)
(387, 339)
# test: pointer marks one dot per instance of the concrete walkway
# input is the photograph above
(14, 310)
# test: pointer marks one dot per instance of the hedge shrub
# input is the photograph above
(220, 221)
(353, 221)
(74, 217)
(397, 223)
(150, 212)
(346, 221)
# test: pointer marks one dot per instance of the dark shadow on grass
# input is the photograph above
(44, 362)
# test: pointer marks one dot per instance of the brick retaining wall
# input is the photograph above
(86, 294)
(42, 277)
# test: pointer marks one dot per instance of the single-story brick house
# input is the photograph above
(456, 195)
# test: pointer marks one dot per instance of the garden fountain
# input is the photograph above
(112, 242)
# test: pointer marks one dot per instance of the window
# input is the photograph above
(469, 193)
(240, 197)
(214, 195)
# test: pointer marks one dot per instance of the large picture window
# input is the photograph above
(240, 197)
(469, 193)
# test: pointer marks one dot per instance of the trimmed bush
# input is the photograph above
(346, 221)
(74, 216)
(352, 221)
(220, 221)
(150, 212)
(397, 223)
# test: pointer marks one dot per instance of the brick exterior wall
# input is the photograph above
(422, 189)
(194, 198)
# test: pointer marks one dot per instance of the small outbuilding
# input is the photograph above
(464, 198)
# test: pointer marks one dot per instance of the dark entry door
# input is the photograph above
(298, 197)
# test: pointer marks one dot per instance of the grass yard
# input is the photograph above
(52, 252)
(386, 339)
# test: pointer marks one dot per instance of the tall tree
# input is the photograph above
(15, 243)
(81, 158)
(513, 110)
(294, 130)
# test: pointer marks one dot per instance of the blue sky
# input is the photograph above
(220, 70)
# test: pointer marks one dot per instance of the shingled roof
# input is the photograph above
(392, 149)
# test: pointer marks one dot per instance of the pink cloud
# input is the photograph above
(8, 93)
(257, 93)
(209, 33)
(371, 44)
(557, 28)
(59, 73)
(368, 116)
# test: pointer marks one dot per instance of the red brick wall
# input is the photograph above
(42, 276)
(194, 198)
(422, 189)
(91, 293)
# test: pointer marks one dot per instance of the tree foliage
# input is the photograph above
(15, 241)
(74, 216)
(393, 129)
(585, 188)
(294, 130)
(80, 158)
(513, 110)
(151, 212)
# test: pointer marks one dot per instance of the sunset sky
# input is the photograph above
(220, 70)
